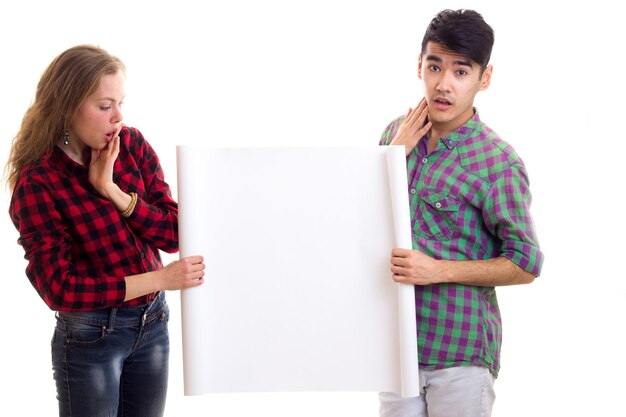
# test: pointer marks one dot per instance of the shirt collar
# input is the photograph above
(463, 132)
(67, 163)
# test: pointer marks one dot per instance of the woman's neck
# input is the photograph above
(74, 151)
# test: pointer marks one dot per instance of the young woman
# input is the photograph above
(93, 210)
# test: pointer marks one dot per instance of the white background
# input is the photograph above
(281, 73)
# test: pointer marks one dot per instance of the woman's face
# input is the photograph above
(99, 117)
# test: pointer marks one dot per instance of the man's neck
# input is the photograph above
(434, 135)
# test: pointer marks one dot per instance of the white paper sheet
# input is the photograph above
(298, 294)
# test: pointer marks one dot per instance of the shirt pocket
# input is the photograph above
(437, 215)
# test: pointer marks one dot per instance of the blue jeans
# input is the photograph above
(112, 362)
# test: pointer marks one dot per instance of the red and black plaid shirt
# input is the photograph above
(78, 247)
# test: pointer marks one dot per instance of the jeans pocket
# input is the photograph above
(84, 334)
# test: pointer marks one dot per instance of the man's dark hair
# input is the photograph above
(462, 31)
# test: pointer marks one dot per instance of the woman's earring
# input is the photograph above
(66, 137)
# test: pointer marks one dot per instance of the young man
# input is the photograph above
(471, 224)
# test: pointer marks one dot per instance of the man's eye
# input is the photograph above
(434, 68)
(462, 72)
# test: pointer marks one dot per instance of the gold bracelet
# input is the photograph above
(131, 206)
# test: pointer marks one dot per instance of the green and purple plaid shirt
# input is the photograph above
(469, 201)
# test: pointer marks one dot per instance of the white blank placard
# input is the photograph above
(298, 294)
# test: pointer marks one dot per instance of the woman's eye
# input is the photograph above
(104, 108)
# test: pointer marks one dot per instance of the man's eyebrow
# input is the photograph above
(464, 63)
(435, 58)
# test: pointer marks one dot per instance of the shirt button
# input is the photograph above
(412, 190)
(425, 160)
(438, 204)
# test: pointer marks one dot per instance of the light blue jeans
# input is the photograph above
(463, 391)
(112, 362)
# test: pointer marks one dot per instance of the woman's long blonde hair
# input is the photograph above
(69, 79)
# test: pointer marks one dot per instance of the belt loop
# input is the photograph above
(155, 300)
(111, 319)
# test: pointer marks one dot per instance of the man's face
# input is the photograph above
(451, 82)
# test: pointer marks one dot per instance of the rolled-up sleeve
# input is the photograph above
(507, 215)
(155, 217)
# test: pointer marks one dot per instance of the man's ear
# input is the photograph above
(486, 78)
(419, 67)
